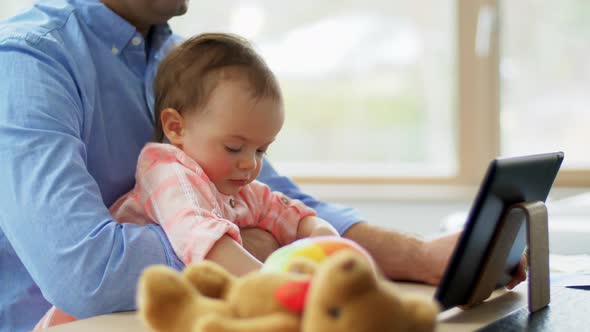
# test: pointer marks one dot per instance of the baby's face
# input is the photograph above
(230, 136)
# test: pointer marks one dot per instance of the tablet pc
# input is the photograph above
(507, 181)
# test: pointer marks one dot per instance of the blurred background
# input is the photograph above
(397, 107)
(372, 86)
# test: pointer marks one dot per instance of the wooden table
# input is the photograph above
(500, 304)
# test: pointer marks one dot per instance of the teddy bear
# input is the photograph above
(342, 293)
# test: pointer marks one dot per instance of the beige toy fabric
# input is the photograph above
(342, 294)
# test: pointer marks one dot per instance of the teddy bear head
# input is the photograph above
(347, 295)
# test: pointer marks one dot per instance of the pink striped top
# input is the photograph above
(172, 190)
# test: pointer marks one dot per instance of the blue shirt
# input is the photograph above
(75, 110)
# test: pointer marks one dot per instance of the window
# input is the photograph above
(545, 77)
(416, 91)
(369, 86)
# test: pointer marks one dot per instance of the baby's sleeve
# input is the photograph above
(276, 212)
(180, 199)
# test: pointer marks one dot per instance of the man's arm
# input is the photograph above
(403, 256)
(52, 210)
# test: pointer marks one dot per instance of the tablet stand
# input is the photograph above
(535, 214)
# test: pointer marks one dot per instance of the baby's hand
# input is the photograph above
(323, 229)
(312, 226)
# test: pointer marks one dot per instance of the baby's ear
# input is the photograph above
(172, 125)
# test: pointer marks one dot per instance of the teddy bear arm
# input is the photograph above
(421, 313)
(275, 322)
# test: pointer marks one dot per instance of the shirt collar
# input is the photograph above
(111, 27)
(162, 40)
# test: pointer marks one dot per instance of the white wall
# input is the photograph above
(421, 218)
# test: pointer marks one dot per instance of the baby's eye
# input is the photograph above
(232, 149)
(261, 151)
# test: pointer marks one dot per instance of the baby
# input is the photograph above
(218, 107)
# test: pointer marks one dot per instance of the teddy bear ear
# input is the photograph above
(421, 312)
(209, 279)
(302, 265)
(161, 295)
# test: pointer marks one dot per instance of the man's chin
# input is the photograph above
(183, 8)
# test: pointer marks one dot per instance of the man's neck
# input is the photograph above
(122, 9)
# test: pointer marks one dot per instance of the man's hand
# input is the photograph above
(258, 242)
(406, 257)
(438, 251)
(520, 273)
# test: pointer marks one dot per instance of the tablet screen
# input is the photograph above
(508, 181)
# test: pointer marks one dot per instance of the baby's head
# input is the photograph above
(218, 101)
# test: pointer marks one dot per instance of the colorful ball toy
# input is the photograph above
(316, 249)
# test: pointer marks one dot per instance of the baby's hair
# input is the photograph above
(187, 76)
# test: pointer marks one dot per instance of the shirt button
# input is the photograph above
(115, 50)
(136, 40)
(232, 203)
(285, 200)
